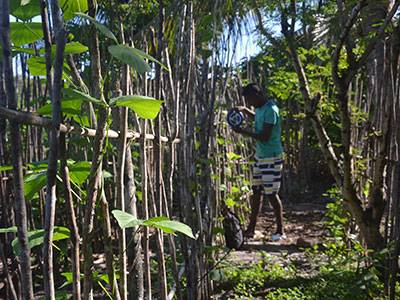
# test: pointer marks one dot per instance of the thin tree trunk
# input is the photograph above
(394, 262)
(54, 134)
(47, 45)
(123, 114)
(143, 162)
(158, 159)
(96, 168)
(16, 155)
(108, 248)
(135, 279)
(76, 275)
(186, 167)
(10, 284)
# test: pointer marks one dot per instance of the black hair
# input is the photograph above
(253, 89)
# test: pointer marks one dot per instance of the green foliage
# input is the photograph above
(71, 7)
(36, 238)
(8, 229)
(71, 108)
(73, 93)
(33, 183)
(25, 9)
(36, 178)
(248, 280)
(29, 51)
(144, 56)
(101, 27)
(6, 168)
(233, 156)
(68, 107)
(145, 107)
(340, 269)
(126, 220)
(59, 295)
(328, 286)
(97, 277)
(25, 33)
(79, 171)
(171, 227)
(129, 56)
(239, 186)
(70, 48)
(37, 65)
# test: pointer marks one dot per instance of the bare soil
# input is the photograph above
(303, 229)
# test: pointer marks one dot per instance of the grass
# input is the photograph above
(270, 280)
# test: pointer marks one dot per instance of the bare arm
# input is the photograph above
(263, 136)
(248, 112)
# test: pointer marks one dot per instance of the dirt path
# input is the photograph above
(303, 228)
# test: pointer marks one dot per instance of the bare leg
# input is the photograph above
(278, 211)
(256, 205)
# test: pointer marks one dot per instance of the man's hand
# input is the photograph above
(246, 111)
(237, 129)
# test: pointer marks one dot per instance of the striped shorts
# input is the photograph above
(267, 174)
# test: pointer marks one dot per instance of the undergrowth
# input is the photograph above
(338, 269)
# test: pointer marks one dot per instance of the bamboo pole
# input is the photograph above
(50, 206)
(143, 164)
(16, 155)
(96, 168)
(158, 157)
(35, 120)
(107, 238)
(76, 277)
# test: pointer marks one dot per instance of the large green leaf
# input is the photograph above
(14, 5)
(73, 93)
(70, 107)
(79, 171)
(16, 50)
(145, 107)
(129, 56)
(101, 27)
(25, 33)
(37, 65)
(126, 220)
(26, 10)
(70, 7)
(144, 55)
(74, 48)
(36, 238)
(70, 48)
(68, 277)
(173, 226)
(155, 219)
(37, 166)
(153, 222)
(33, 183)
(6, 168)
(8, 229)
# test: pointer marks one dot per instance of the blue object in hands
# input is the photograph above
(235, 117)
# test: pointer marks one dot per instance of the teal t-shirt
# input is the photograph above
(268, 113)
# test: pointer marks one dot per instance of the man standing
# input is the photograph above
(267, 168)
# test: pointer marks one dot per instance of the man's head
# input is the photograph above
(254, 95)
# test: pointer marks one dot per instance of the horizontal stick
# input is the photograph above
(35, 120)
